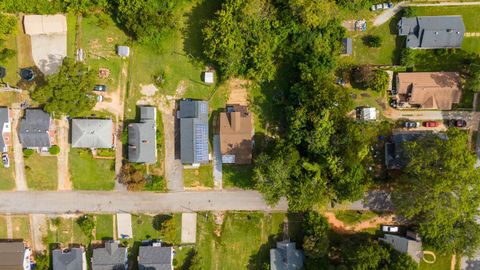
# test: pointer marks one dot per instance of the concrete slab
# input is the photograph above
(48, 51)
(124, 226)
(189, 227)
(217, 163)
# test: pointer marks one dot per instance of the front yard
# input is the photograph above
(41, 172)
(147, 227)
(198, 178)
(88, 173)
(7, 175)
(238, 176)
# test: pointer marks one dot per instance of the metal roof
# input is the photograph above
(286, 257)
(155, 258)
(142, 139)
(72, 259)
(12, 255)
(34, 128)
(123, 51)
(193, 131)
(347, 46)
(92, 133)
(110, 257)
(405, 245)
(3, 119)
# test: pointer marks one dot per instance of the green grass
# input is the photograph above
(442, 263)
(351, 217)
(104, 227)
(148, 227)
(368, 98)
(41, 172)
(66, 233)
(200, 177)
(240, 176)
(71, 33)
(88, 173)
(3, 228)
(7, 175)
(11, 64)
(21, 227)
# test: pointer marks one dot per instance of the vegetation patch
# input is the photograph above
(41, 172)
(238, 176)
(351, 217)
(199, 177)
(89, 173)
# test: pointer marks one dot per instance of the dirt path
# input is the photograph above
(20, 177)
(339, 226)
(38, 227)
(121, 91)
(453, 262)
(64, 182)
(8, 220)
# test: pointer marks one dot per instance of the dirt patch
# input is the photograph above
(148, 90)
(219, 217)
(339, 226)
(238, 91)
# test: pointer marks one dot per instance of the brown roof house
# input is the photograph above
(14, 256)
(429, 90)
(236, 135)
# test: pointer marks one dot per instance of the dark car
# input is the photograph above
(393, 103)
(431, 124)
(5, 161)
(460, 123)
(100, 88)
(409, 124)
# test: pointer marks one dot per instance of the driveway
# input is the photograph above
(472, 118)
(62, 158)
(217, 163)
(20, 177)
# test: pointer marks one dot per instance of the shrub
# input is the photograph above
(372, 41)
(156, 183)
(54, 150)
(28, 152)
(407, 57)
(378, 81)
(87, 224)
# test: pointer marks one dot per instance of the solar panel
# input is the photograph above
(201, 142)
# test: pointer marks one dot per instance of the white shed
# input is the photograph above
(123, 51)
(208, 77)
(368, 114)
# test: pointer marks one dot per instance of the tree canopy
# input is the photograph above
(68, 92)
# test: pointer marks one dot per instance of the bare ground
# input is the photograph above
(339, 226)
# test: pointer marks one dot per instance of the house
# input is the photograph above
(193, 116)
(123, 51)
(208, 77)
(286, 257)
(405, 245)
(110, 257)
(432, 32)
(367, 113)
(236, 134)
(92, 133)
(347, 48)
(69, 259)
(36, 130)
(155, 257)
(14, 256)
(5, 129)
(142, 137)
(428, 90)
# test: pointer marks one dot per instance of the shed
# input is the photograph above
(368, 114)
(123, 51)
(347, 46)
(208, 77)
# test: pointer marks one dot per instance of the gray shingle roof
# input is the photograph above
(68, 259)
(12, 255)
(110, 257)
(432, 32)
(155, 258)
(286, 257)
(34, 128)
(193, 131)
(142, 139)
(3, 119)
(405, 245)
(92, 133)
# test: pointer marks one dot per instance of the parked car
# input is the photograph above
(381, 6)
(100, 88)
(410, 124)
(393, 103)
(5, 160)
(431, 124)
(99, 98)
(457, 123)
(388, 228)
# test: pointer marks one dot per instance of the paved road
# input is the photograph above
(20, 178)
(64, 202)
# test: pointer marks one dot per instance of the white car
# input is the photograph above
(5, 160)
(387, 228)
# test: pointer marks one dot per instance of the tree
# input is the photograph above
(133, 178)
(378, 81)
(87, 224)
(8, 25)
(407, 57)
(314, 13)
(366, 256)
(473, 80)
(316, 242)
(441, 192)
(409, 12)
(69, 91)
(373, 41)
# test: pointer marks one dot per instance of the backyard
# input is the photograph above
(88, 173)
(41, 172)
(199, 177)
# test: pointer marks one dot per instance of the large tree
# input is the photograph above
(68, 92)
(441, 192)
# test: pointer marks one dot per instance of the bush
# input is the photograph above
(407, 57)
(54, 150)
(105, 152)
(156, 183)
(372, 41)
(87, 224)
(378, 81)
(28, 152)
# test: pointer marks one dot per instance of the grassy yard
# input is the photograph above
(71, 33)
(21, 227)
(3, 227)
(442, 263)
(149, 227)
(67, 231)
(7, 175)
(11, 64)
(41, 172)
(350, 217)
(238, 176)
(104, 227)
(89, 173)
(201, 177)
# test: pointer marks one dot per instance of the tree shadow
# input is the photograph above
(187, 263)
(158, 221)
(399, 40)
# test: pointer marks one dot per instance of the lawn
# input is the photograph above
(104, 227)
(88, 173)
(149, 227)
(238, 176)
(21, 227)
(67, 231)
(71, 33)
(7, 175)
(3, 227)
(244, 241)
(200, 177)
(442, 263)
(41, 172)
(11, 64)
(351, 217)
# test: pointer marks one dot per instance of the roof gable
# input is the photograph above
(34, 127)
(193, 131)
(110, 257)
(92, 133)
(72, 259)
(142, 143)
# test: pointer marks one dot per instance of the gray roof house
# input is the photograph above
(35, 129)
(405, 245)
(155, 257)
(110, 257)
(14, 256)
(193, 116)
(5, 129)
(347, 46)
(142, 137)
(432, 32)
(286, 257)
(92, 133)
(69, 259)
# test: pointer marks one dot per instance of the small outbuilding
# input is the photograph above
(367, 114)
(208, 77)
(123, 51)
(347, 46)
(411, 247)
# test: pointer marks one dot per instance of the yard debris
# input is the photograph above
(148, 90)
(219, 217)
(103, 73)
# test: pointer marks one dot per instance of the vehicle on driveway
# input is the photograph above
(381, 6)
(5, 160)
(393, 103)
(388, 228)
(460, 123)
(99, 98)
(431, 124)
(100, 88)
(409, 124)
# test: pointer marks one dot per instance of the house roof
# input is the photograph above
(286, 257)
(3, 119)
(110, 257)
(193, 131)
(430, 90)
(92, 133)
(72, 259)
(34, 128)
(236, 134)
(369, 113)
(432, 32)
(142, 144)
(12, 255)
(44, 24)
(347, 46)
(405, 245)
(155, 258)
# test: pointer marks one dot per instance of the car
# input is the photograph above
(99, 98)
(100, 88)
(461, 123)
(5, 160)
(393, 103)
(409, 124)
(388, 228)
(431, 124)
